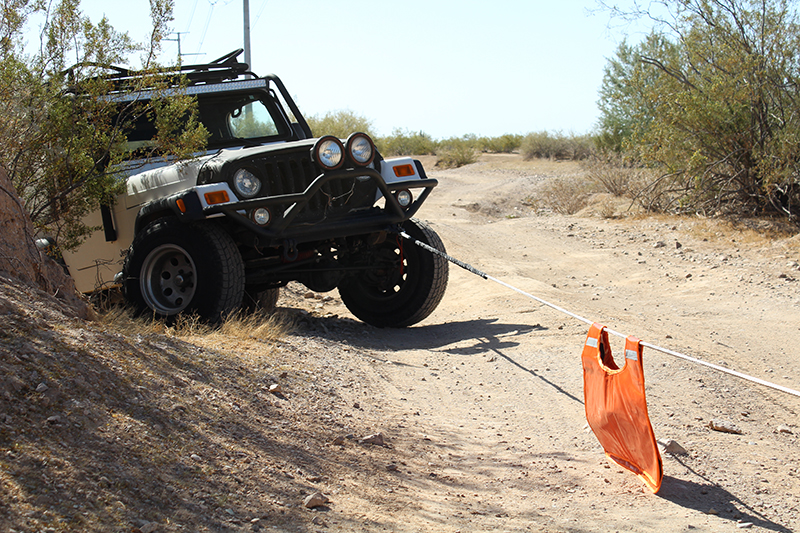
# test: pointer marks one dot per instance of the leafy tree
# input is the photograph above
(625, 103)
(711, 100)
(62, 141)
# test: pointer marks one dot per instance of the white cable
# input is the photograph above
(477, 272)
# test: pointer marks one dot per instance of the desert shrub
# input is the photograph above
(614, 172)
(339, 124)
(504, 144)
(546, 145)
(651, 190)
(539, 145)
(727, 137)
(566, 195)
(403, 142)
(456, 152)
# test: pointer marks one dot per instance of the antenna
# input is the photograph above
(178, 38)
(246, 9)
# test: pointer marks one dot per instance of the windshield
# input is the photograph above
(232, 118)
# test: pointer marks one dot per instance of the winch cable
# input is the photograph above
(679, 355)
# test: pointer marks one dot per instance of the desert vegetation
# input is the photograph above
(707, 104)
(700, 116)
(60, 147)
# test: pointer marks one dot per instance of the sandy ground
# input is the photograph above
(480, 407)
(486, 395)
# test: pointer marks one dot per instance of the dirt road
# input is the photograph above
(476, 415)
(483, 402)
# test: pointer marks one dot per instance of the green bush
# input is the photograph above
(505, 144)
(456, 152)
(403, 142)
(545, 145)
(340, 124)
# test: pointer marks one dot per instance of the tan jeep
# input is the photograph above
(267, 203)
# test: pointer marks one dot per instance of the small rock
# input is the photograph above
(375, 440)
(54, 420)
(195, 457)
(275, 389)
(660, 244)
(712, 511)
(678, 245)
(309, 295)
(391, 467)
(42, 387)
(316, 499)
(785, 429)
(671, 446)
(744, 525)
(725, 426)
(338, 441)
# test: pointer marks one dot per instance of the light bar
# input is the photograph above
(191, 90)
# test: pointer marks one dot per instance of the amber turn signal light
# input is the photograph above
(403, 171)
(217, 197)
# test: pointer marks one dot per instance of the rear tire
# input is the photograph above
(405, 282)
(173, 267)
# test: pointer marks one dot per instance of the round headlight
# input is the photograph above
(328, 153)
(404, 198)
(246, 183)
(361, 149)
(261, 216)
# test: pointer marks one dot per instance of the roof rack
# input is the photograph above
(227, 67)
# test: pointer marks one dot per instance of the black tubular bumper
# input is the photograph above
(357, 220)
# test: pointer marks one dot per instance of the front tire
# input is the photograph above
(404, 284)
(174, 267)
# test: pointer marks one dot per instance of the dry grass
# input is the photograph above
(241, 325)
(565, 195)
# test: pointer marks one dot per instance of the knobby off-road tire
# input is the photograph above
(173, 267)
(405, 283)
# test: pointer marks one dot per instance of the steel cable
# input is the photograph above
(667, 351)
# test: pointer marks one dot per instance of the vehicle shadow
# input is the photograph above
(484, 336)
(488, 335)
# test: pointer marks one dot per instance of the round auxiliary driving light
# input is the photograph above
(261, 216)
(404, 198)
(361, 149)
(328, 153)
(246, 183)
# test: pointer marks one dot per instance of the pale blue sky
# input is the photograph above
(444, 67)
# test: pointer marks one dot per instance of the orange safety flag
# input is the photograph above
(616, 408)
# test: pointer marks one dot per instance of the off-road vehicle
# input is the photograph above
(266, 204)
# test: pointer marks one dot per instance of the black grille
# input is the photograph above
(289, 173)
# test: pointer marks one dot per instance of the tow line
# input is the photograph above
(667, 351)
